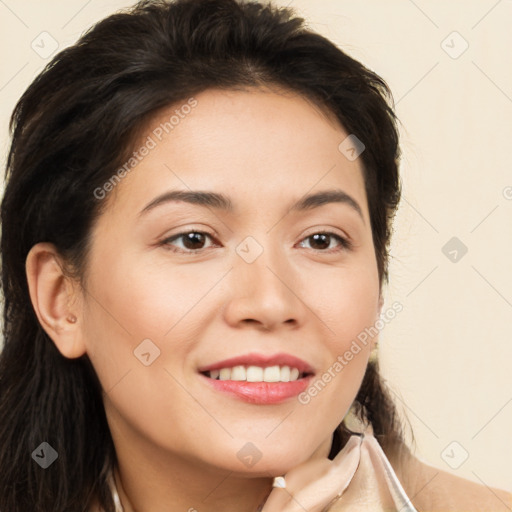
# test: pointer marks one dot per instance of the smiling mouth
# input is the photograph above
(269, 374)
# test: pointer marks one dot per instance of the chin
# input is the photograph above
(261, 470)
(253, 463)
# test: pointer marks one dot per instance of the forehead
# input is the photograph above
(245, 143)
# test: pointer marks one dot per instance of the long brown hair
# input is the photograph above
(71, 130)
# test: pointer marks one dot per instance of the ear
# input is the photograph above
(55, 298)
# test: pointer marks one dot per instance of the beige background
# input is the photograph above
(448, 354)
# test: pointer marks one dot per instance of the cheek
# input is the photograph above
(129, 303)
(348, 307)
(358, 310)
(131, 299)
(147, 299)
(347, 302)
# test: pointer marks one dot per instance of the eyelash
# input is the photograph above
(345, 244)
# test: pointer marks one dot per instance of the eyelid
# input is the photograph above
(344, 240)
(330, 230)
(166, 241)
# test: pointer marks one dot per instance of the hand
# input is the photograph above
(315, 484)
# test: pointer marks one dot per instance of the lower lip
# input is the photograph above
(261, 393)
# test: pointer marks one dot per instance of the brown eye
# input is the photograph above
(322, 242)
(191, 241)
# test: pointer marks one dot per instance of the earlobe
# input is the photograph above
(54, 298)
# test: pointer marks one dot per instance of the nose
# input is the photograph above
(265, 294)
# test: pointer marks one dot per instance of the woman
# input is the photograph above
(194, 237)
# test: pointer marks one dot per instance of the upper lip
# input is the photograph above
(262, 360)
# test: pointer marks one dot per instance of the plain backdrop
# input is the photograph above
(448, 355)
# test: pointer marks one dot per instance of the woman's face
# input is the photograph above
(253, 280)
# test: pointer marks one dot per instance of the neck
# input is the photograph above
(221, 492)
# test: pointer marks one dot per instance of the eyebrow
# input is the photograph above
(221, 202)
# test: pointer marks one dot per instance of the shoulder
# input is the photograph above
(434, 490)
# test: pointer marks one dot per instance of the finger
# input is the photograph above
(315, 483)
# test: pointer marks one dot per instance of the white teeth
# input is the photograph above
(285, 374)
(272, 374)
(238, 373)
(225, 374)
(257, 374)
(254, 374)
